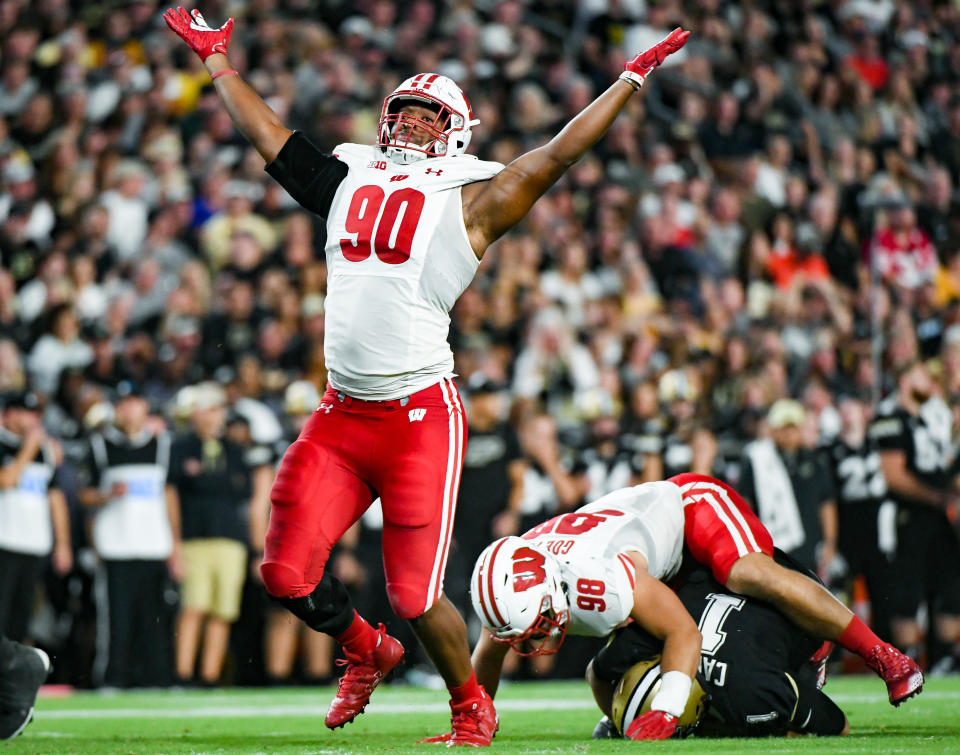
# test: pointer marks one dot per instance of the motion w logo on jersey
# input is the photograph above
(417, 415)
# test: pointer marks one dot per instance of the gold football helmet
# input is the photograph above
(640, 685)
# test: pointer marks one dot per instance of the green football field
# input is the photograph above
(534, 718)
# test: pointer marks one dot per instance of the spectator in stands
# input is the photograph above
(604, 463)
(548, 486)
(59, 349)
(905, 254)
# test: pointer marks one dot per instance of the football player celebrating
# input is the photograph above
(408, 219)
(588, 571)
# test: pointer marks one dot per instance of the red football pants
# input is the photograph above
(719, 527)
(409, 452)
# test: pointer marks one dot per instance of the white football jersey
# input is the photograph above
(25, 525)
(591, 545)
(398, 257)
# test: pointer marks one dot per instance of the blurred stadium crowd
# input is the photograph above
(162, 299)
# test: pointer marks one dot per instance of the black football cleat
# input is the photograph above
(605, 729)
(22, 670)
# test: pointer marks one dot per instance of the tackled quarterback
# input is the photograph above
(589, 571)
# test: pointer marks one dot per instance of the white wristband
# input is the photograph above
(633, 79)
(674, 690)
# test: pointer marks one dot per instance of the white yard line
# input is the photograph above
(199, 710)
(267, 711)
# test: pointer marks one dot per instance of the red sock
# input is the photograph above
(858, 638)
(360, 638)
(469, 690)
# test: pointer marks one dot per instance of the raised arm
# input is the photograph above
(10, 473)
(492, 208)
(254, 117)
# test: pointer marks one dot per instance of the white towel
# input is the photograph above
(776, 502)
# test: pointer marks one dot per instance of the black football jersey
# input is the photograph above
(858, 477)
(925, 438)
(748, 648)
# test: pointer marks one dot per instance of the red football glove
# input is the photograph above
(654, 724)
(194, 30)
(637, 70)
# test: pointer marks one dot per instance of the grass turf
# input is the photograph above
(534, 718)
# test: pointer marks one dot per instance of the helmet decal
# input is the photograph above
(528, 569)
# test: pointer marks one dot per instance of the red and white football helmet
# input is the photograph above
(449, 129)
(517, 592)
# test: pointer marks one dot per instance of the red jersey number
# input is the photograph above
(390, 237)
(590, 591)
(572, 524)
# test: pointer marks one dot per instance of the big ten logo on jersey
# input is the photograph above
(718, 610)
(377, 164)
(528, 569)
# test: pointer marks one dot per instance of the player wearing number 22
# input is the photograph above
(589, 571)
(408, 219)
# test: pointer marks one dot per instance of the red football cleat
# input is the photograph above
(474, 724)
(818, 661)
(901, 673)
(439, 739)
(361, 678)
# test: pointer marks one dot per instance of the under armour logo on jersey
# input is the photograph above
(417, 415)
(428, 171)
(325, 407)
(419, 82)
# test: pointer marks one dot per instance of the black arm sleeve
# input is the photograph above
(309, 175)
(746, 486)
(89, 469)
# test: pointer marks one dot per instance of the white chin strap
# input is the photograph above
(403, 155)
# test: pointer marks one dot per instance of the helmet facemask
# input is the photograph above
(544, 636)
(447, 133)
